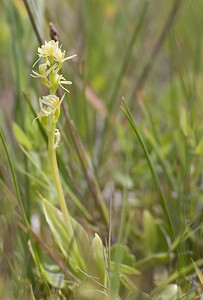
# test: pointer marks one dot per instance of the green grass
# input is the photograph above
(131, 171)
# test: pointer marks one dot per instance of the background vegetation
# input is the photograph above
(136, 177)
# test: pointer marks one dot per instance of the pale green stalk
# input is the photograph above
(56, 177)
(59, 190)
(53, 161)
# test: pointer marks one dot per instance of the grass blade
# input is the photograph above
(14, 179)
(164, 205)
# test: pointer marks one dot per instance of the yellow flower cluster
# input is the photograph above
(48, 71)
(54, 58)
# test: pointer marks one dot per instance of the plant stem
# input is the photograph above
(52, 145)
(56, 177)
(61, 198)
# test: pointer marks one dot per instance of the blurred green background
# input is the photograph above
(150, 53)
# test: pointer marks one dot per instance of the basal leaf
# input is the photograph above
(97, 260)
(74, 246)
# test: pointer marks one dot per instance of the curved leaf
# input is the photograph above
(66, 240)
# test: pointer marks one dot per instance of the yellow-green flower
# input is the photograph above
(49, 70)
(52, 49)
(49, 109)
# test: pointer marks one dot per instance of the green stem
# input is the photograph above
(61, 198)
(56, 177)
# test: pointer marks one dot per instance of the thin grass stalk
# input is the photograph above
(15, 181)
(164, 204)
(18, 195)
(178, 274)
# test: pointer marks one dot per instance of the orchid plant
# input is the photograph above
(85, 258)
(91, 272)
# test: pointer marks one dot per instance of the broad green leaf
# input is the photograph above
(21, 137)
(76, 257)
(97, 260)
(82, 239)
